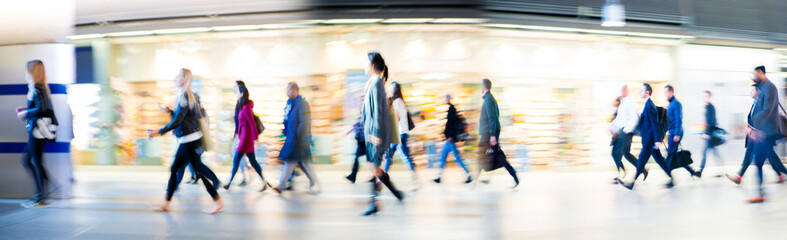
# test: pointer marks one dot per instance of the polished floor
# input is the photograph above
(117, 205)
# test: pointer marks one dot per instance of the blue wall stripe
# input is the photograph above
(19, 147)
(21, 89)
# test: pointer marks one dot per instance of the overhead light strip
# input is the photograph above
(589, 31)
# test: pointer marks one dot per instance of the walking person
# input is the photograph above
(376, 127)
(181, 172)
(651, 138)
(296, 150)
(765, 125)
(185, 124)
(41, 122)
(774, 161)
(623, 126)
(245, 134)
(360, 149)
(402, 123)
(489, 131)
(708, 135)
(675, 113)
(453, 128)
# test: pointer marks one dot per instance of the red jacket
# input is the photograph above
(247, 129)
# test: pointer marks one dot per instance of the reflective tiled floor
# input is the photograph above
(548, 205)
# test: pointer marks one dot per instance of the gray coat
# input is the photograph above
(376, 119)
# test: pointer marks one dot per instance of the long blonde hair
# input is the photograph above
(36, 75)
(185, 95)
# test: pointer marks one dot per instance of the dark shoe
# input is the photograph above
(646, 175)
(670, 185)
(372, 210)
(630, 186)
(698, 174)
(373, 179)
(516, 183)
(736, 179)
(759, 199)
(265, 186)
(226, 187)
(351, 178)
(277, 190)
(288, 188)
(436, 180)
(615, 181)
(469, 179)
(378, 186)
(399, 195)
(242, 183)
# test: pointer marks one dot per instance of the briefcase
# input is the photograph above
(495, 158)
(679, 159)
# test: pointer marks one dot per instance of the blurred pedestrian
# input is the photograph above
(489, 132)
(622, 128)
(246, 134)
(296, 150)
(452, 133)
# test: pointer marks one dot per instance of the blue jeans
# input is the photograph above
(451, 146)
(764, 150)
(404, 150)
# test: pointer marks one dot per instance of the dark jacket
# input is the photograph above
(489, 124)
(649, 124)
(710, 119)
(297, 130)
(766, 110)
(185, 120)
(451, 123)
(675, 112)
(39, 107)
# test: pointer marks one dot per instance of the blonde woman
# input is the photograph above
(186, 127)
(40, 118)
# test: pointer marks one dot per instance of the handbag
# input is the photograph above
(782, 122)
(258, 124)
(204, 127)
(679, 159)
(495, 158)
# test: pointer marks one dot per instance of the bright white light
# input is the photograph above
(407, 20)
(85, 36)
(460, 20)
(236, 28)
(336, 43)
(416, 49)
(181, 30)
(613, 14)
(436, 76)
(359, 41)
(591, 31)
(130, 34)
(352, 21)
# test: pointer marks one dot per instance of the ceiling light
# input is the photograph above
(353, 21)
(130, 33)
(407, 20)
(460, 20)
(85, 36)
(359, 41)
(181, 30)
(613, 14)
(236, 28)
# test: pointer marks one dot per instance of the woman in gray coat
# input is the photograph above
(377, 126)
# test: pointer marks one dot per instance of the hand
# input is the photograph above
(493, 140)
(705, 136)
(449, 139)
(151, 133)
(658, 145)
(21, 115)
(676, 139)
(163, 108)
(19, 109)
(748, 130)
(374, 140)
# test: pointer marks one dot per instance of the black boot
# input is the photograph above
(386, 180)
(372, 210)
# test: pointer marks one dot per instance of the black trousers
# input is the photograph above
(621, 149)
(187, 154)
(33, 161)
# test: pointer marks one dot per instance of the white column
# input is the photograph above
(35, 29)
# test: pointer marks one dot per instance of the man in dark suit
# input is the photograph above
(675, 112)
(764, 125)
(774, 160)
(651, 137)
(296, 150)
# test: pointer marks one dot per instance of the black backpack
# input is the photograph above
(461, 131)
(663, 118)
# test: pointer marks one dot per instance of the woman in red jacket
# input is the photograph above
(245, 133)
